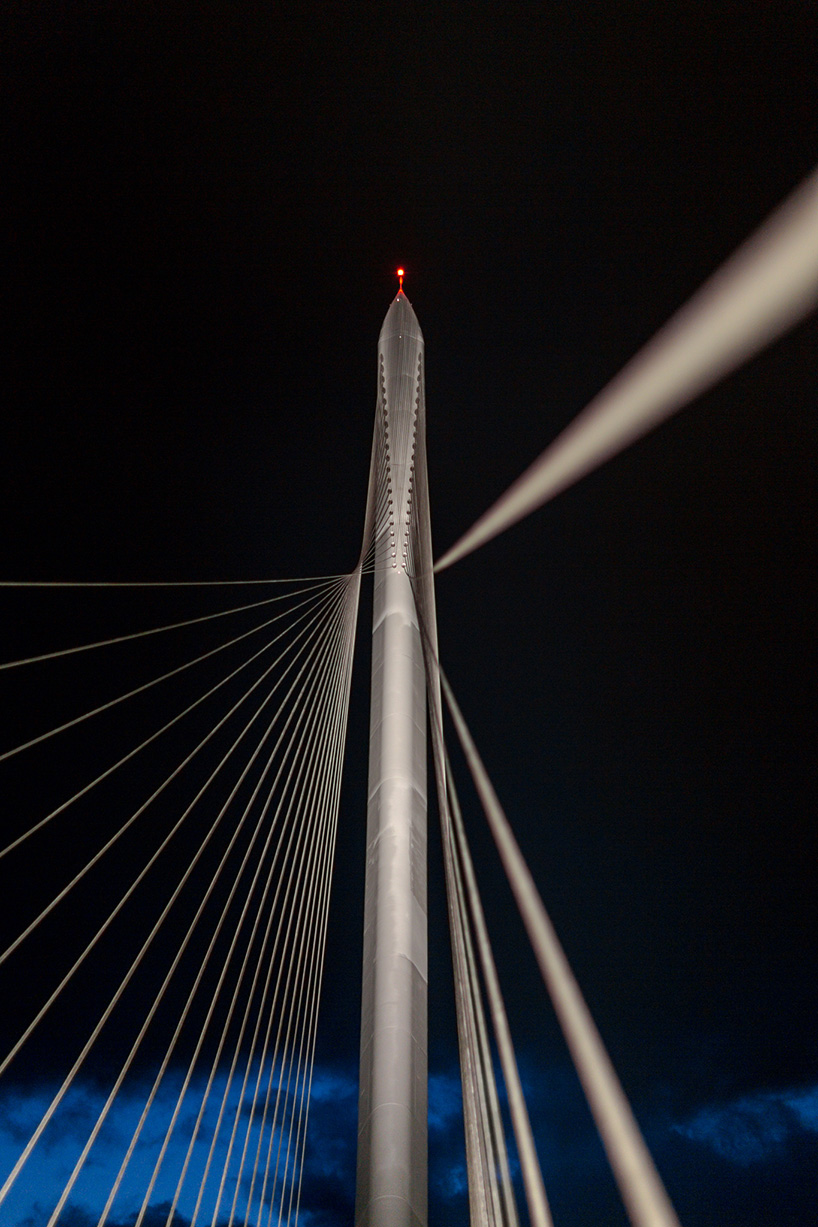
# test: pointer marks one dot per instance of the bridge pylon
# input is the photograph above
(391, 1186)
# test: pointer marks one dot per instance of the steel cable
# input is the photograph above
(157, 1081)
(154, 630)
(160, 1073)
(69, 724)
(201, 1110)
(134, 965)
(764, 288)
(302, 926)
(290, 912)
(331, 785)
(639, 1183)
(130, 821)
(179, 1102)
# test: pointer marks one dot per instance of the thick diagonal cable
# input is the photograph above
(129, 974)
(765, 287)
(485, 1145)
(301, 926)
(639, 1183)
(483, 1212)
(166, 1060)
(206, 1094)
(294, 827)
(490, 1141)
(506, 1188)
(95, 711)
(477, 1163)
(203, 965)
(165, 783)
(329, 806)
(302, 1136)
(485, 1140)
(468, 897)
(154, 630)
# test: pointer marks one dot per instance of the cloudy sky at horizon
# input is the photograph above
(752, 1140)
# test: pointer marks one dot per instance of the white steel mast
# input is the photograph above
(392, 1112)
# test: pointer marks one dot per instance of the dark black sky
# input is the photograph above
(203, 207)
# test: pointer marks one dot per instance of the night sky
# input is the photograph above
(203, 208)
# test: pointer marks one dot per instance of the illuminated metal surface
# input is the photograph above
(392, 1130)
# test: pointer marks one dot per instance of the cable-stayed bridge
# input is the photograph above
(200, 910)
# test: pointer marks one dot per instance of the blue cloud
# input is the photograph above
(328, 1186)
(43, 1177)
(804, 1104)
(754, 1128)
(447, 1148)
(445, 1101)
(76, 1216)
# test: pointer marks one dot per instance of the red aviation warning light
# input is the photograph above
(401, 275)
